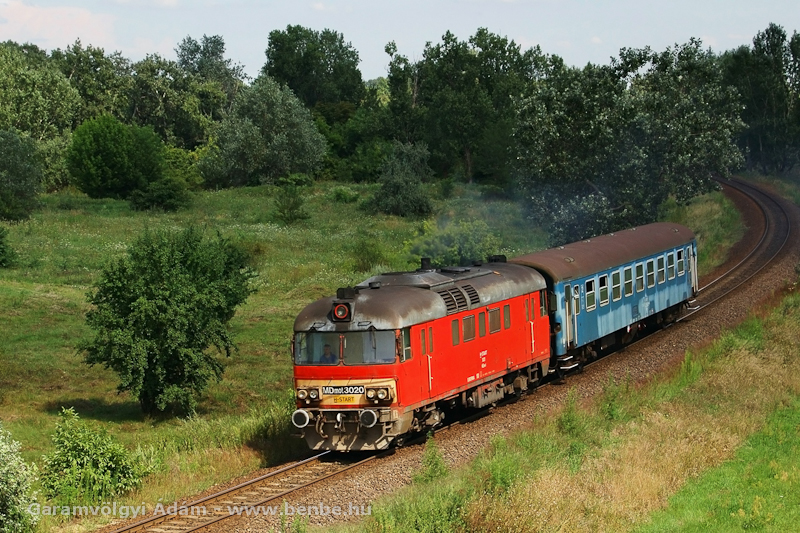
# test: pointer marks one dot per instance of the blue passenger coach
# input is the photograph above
(604, 289)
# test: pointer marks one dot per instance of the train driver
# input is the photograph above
(328, 357)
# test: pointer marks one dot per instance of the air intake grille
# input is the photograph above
(474, 299)
(454, 299)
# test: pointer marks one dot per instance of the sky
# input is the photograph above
(579, 31)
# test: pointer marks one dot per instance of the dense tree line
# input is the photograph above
(587, 149)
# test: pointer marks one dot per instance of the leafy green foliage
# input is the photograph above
(459, 243)
(401, 191)
(433, 465)
(367, 252)
(344, 195)
(16, 480)
(111, 160)
(167, 194)
(87, 464)
(601, 148)
(206, 60)
(7, 254)
(20, 176)
(268, 134)
(159, 309)
(289, 204)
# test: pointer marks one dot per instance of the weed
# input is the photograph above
(433, 465)
(289, 205)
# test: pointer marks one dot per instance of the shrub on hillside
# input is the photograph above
(7, 254)
(289, 205)
(160, 308)
(401, 191)
(344, 195)
(16, 479)
(109, 159)
(87, 464)
(20, 176)
(167, 194)
(458, 244)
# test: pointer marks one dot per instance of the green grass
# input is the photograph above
(759, 489)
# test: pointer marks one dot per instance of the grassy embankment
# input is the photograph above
(243, 421)
(711, 447)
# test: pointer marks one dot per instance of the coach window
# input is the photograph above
(616, 293)
(680, 262)
(423, 342)
(671, 265)
(506, 316)
(430, 340)
(468, 327)
(651, 273)
(661, 273)
(542, 302)
(602, 283)
(590, 301)
(628, 281)
(640, 277)
(482, 324)
(455, 332)
(494, 320)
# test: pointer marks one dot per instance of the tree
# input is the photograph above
(268, 134)
(16, 480)
(320, 67)
(402, 174)
(206, 60)
(160, 308)
(600, 148)
(20, 176)
(109, 159)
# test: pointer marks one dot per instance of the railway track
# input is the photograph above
(274, 487)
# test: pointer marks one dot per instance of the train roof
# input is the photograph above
(400, 299)
(584, 258)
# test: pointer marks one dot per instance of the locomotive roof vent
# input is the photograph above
(346, 293)
(374, 284)
(425, 264)
(455, 270)
(477, 263)
(497, 258)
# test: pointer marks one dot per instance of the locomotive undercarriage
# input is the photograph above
(354, 430)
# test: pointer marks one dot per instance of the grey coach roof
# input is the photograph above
(584, 258)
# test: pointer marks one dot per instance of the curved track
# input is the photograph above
(275, 486)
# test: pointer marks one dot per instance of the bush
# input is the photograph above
(16, 479)
(458, 244)
(295, 180)
(158, 310)
(87, 465)
(367, 253)
(7, 254)
(108, 159)
(168, 194)
(401, 191)
(344, 195)
(289, 205)
(433, 465)
(20, 176)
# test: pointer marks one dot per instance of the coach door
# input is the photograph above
(569, 323)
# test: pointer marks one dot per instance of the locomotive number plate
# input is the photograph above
(344, 399)
(344, 390)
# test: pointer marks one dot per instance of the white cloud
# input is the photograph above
(55, 27)
(597, 40)
(709, 41)
(319, 6)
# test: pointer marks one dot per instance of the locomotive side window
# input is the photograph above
(680, 262)
(422, 341)
(671, 265)
(661, 274)
(482, 324)
(455, 332)
(628, 281)
(506, 316)
(602, 283)
(651, 273)
(494, 320)
(590, 300)
(616, 293)
(527, 313)
(639, 277)
(469, 327)
(542, 302)
(430, 340)
(406, 344)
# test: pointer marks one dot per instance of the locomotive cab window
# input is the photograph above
(371, 347)
(455, 332)
(661, 273)
(671, 265)
(406, 354)
(482, 324)
(602, 283)
(651, 273)
(506, 316)
(527, 312)
(494, 320)
(680, 262)
(430, 340)
(628, 281)
(468, 323)
(640, 277)
(590, 299)
(542, 302)
(616, 293)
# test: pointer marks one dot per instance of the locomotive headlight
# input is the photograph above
(370, 394)
(382, 394)
(302, 394)
(313, 394)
